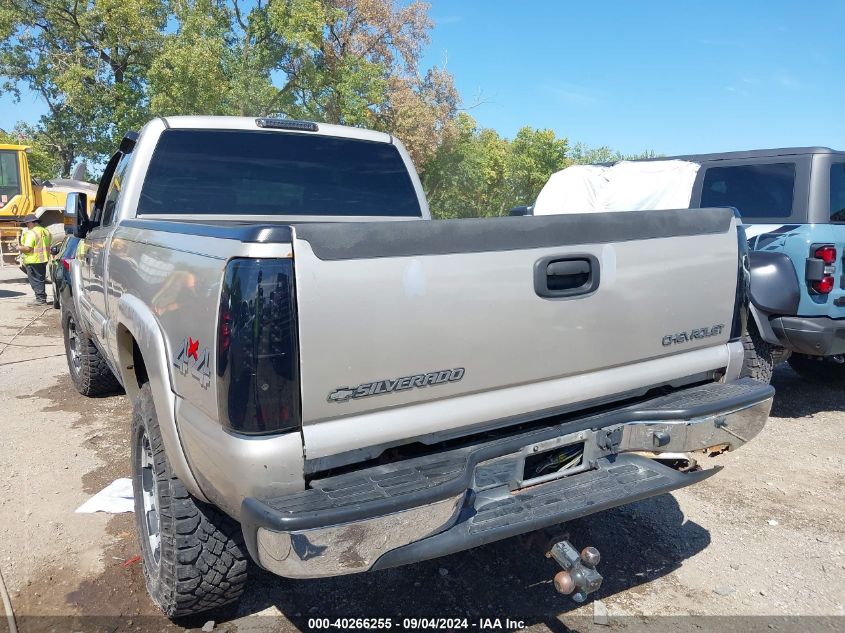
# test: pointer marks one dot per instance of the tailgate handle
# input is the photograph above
(570, 268)
(569, 276)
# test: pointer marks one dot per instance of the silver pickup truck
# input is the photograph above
(330, 382)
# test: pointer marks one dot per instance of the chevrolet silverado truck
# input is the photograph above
(327, 381)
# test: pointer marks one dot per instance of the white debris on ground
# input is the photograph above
(115, 498)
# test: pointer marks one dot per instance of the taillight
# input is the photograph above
(827, 254)
(257, 354)
(821, 268)
(824, 285)
(66, 263)
(224, 337)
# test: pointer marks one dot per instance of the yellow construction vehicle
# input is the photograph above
(21, 195)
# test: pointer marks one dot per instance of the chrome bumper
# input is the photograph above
(356, 546)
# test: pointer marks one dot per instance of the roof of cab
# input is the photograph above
(754, 153)
(250, 123)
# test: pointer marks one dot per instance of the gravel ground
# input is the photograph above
(759, 546)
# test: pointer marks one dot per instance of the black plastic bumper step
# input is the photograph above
(583, 490)
(625, 479)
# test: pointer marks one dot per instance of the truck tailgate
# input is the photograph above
(397, 317)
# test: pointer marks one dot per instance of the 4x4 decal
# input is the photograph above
(189, 358)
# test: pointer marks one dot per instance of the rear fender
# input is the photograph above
(136, 321)
(774, 290)
(774, 284)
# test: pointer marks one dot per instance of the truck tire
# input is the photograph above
(759, 360)
(821, 369)
(194, 556)
(89, 371)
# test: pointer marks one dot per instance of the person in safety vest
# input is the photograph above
(35, 246)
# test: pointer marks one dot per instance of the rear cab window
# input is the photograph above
(235, 172)
(760, 192)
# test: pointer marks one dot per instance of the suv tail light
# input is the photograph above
(827, 254)
(257, 352)
(824, 285)
(821, 267)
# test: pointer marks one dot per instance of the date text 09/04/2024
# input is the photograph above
(412, 624)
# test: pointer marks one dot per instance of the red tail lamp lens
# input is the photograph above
(827, 254)
(824, 285)
(66, 263)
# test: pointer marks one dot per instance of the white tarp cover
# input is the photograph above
(625, 186)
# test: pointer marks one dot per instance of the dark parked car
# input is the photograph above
(59, 269)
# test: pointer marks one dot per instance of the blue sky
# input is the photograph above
(675, 77)
(672, 76)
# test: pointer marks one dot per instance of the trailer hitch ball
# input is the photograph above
(564, 583)
(590, 557)
(579, 576)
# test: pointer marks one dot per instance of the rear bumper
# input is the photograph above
(435, 505)
(816, 336)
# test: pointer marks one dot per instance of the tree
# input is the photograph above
(583, 155)
(475, 172)
(43, 163)
(106, 66)
(356, 62)
(465, 177)
(88, 61)
(534, 156)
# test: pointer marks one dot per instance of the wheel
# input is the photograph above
(759, 360)
(194, 556)
(89, 371)
(829, 370)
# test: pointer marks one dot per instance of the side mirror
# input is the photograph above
(76, 214)
(521, 210)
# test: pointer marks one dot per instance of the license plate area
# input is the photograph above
(540, 462)
(561, 461)
(556, 458)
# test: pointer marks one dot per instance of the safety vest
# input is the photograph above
(39, 240)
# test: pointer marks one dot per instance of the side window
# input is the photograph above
(757, 191)
(10, 184)
(113, 193)
(837, 192)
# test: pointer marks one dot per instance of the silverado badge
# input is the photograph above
(391, 385)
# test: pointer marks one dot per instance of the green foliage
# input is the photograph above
(477, 173)
(583, 155)
(107, 66)
(534, 156)
(466, 175)
(43, 164)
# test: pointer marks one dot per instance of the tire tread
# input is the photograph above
(760, 356)
(203, 556)
(95, 377)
